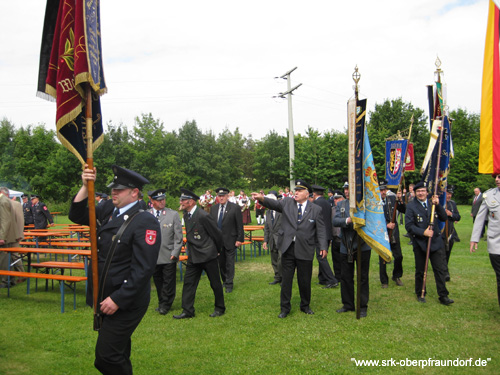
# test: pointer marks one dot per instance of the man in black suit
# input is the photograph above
(302, 227)
(450, 234)
(417, 219)
(124, 288)
(272, 226)
(325, 274)
(348, 251)
(230, 222)
(204, 241)
(389, 202)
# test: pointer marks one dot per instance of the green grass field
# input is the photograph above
(36, 338)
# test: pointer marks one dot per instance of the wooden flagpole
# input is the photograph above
(91, 202)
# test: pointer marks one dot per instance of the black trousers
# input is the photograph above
(325, 274)
(347, 281)
(112, 350)
(192, 279)
(226, 265)
(276, 263)
(436, 258)
(397, 271)
(304, 274)
(495, 263)
(336, 258)
(165, 282)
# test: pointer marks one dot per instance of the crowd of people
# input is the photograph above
(138, 242)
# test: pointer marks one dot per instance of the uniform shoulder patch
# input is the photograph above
(150, 237)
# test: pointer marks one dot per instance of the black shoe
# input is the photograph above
(398, 281)
(216, 313)
(274, 282)
(183, 316)
(343, 310)
(307, 311)
(282, 315)
(229, 290)
(329, 286)
(447, 278)
(162, 311)
(421, 299)
(445, 300)
(363, 313)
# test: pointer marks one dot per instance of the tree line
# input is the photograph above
(34, 161)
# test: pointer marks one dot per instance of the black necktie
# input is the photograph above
(272, 217)
(425, 205)
(116, 212)
(299, 217)
(157, 214)
(189, 216)
(221, 215)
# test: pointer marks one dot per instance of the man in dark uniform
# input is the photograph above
(204, 241)
(27, 210)
(336, 240)
(389, 202)
(271, 228)
(228, 217)
(302, 227)
(348, 254)
(417, 219)
(124, 289)
(325, 274)
(41, 213)
(450, 234)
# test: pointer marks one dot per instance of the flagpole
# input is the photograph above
(436, 181)
(356, 77)
(91, 202)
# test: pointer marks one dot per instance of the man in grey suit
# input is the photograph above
(204, 241)
(476, 203)
(272, 225)
(164, 276)
(302, 227)
(230, 222)
(490, 210)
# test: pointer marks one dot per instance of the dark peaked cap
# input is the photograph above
(157, 194)
(187, 194)
(126, 179)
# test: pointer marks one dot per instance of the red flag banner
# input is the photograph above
(70, 58)
(489, 145)
(410, 159)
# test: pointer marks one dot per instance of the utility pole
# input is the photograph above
(291, 138)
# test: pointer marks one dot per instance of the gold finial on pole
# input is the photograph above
(438, 71)
(356, 76)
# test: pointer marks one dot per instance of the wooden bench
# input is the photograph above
(241, 249)
(54, 265)
(257, 242)
(69, 281)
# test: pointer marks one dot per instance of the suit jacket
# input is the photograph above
(8, 231)
(128, 281)
(327, 215)
(204, 239)
(489, 210)
(171, 235)
(348, 236)
(476, 205)
(390, 203)
(17, 209)
(417, 221)
(307, 234)
(232, 224)
(271, 229)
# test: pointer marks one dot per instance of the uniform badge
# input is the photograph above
(150, 237)
(197, 236)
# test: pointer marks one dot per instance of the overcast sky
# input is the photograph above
(215, 61)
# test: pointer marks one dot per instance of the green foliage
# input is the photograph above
(34, 161)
